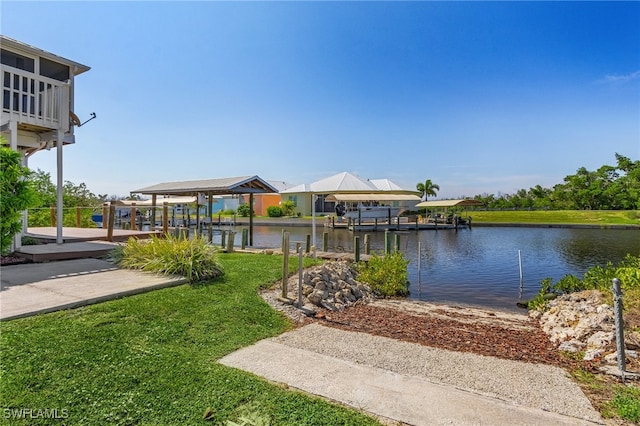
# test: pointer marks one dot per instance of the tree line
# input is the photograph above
(607, 188)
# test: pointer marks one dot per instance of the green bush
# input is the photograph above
(274, 211)
(288, 208)
(386, 275)
(16, 194)
(243, 210)
(195, 259)
(596, 278)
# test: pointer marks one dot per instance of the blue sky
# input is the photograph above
(482, 97)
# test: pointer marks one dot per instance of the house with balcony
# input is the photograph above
(38, 103)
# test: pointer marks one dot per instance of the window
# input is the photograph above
(16, 60)
(54, 70)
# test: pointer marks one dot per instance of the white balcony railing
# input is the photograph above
(33, 99)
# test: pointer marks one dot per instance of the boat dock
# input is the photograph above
(396, 224)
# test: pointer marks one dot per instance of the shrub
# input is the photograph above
(243, 210)
(386, 275)
(596, 278)
(274, 211)
(288, 208)
(16, 195)
(195, 259)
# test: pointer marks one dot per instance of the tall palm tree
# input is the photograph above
(427, 189)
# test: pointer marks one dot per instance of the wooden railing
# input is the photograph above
(33, 99)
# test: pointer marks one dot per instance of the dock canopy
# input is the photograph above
(169, 200)
(450, 203)
(210, 187)
(231, 185)
(372, 197)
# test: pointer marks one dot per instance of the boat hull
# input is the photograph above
(369, 213)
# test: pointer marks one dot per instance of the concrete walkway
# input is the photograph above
(414, 384)
(37, 288)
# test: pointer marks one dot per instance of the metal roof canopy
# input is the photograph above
(232, 185)
(372, 197)
(450, 203)
(170, 201)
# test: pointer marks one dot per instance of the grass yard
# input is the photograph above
(583, 217)
(151, 359)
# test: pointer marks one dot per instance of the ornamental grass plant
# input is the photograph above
(195, 259)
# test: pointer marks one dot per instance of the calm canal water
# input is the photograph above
(479, 266)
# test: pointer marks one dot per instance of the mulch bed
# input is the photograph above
(519, 345)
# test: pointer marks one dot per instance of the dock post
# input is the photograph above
(308, 242)
(231, 241)
(105, 215)
(132, 213)
(387, 242)
(285, 263)
(78, 217)
(300, 279)
(111, 221)
(356, 248)
(397, 242)
(367, 247)
(223, 235)
(245, 238)
(211, 233)
(165, 217)
(325, 241)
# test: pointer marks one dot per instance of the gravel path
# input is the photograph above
(534, 385)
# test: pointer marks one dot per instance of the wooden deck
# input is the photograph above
(78, 243)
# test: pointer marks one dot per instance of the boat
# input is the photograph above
(364, 213)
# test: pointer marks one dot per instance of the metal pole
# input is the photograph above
(520, 263)
(59, 188)
(419, 257)
(617, 308)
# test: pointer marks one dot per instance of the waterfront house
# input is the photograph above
(38, 104)
(348, 188)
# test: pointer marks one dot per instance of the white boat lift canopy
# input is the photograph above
(372, 197)
(450, 203)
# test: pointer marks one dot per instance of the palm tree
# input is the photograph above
(427, 189)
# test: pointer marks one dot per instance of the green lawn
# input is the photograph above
(151, 359)
(587, 217)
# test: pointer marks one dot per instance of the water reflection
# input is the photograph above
(480, 266)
